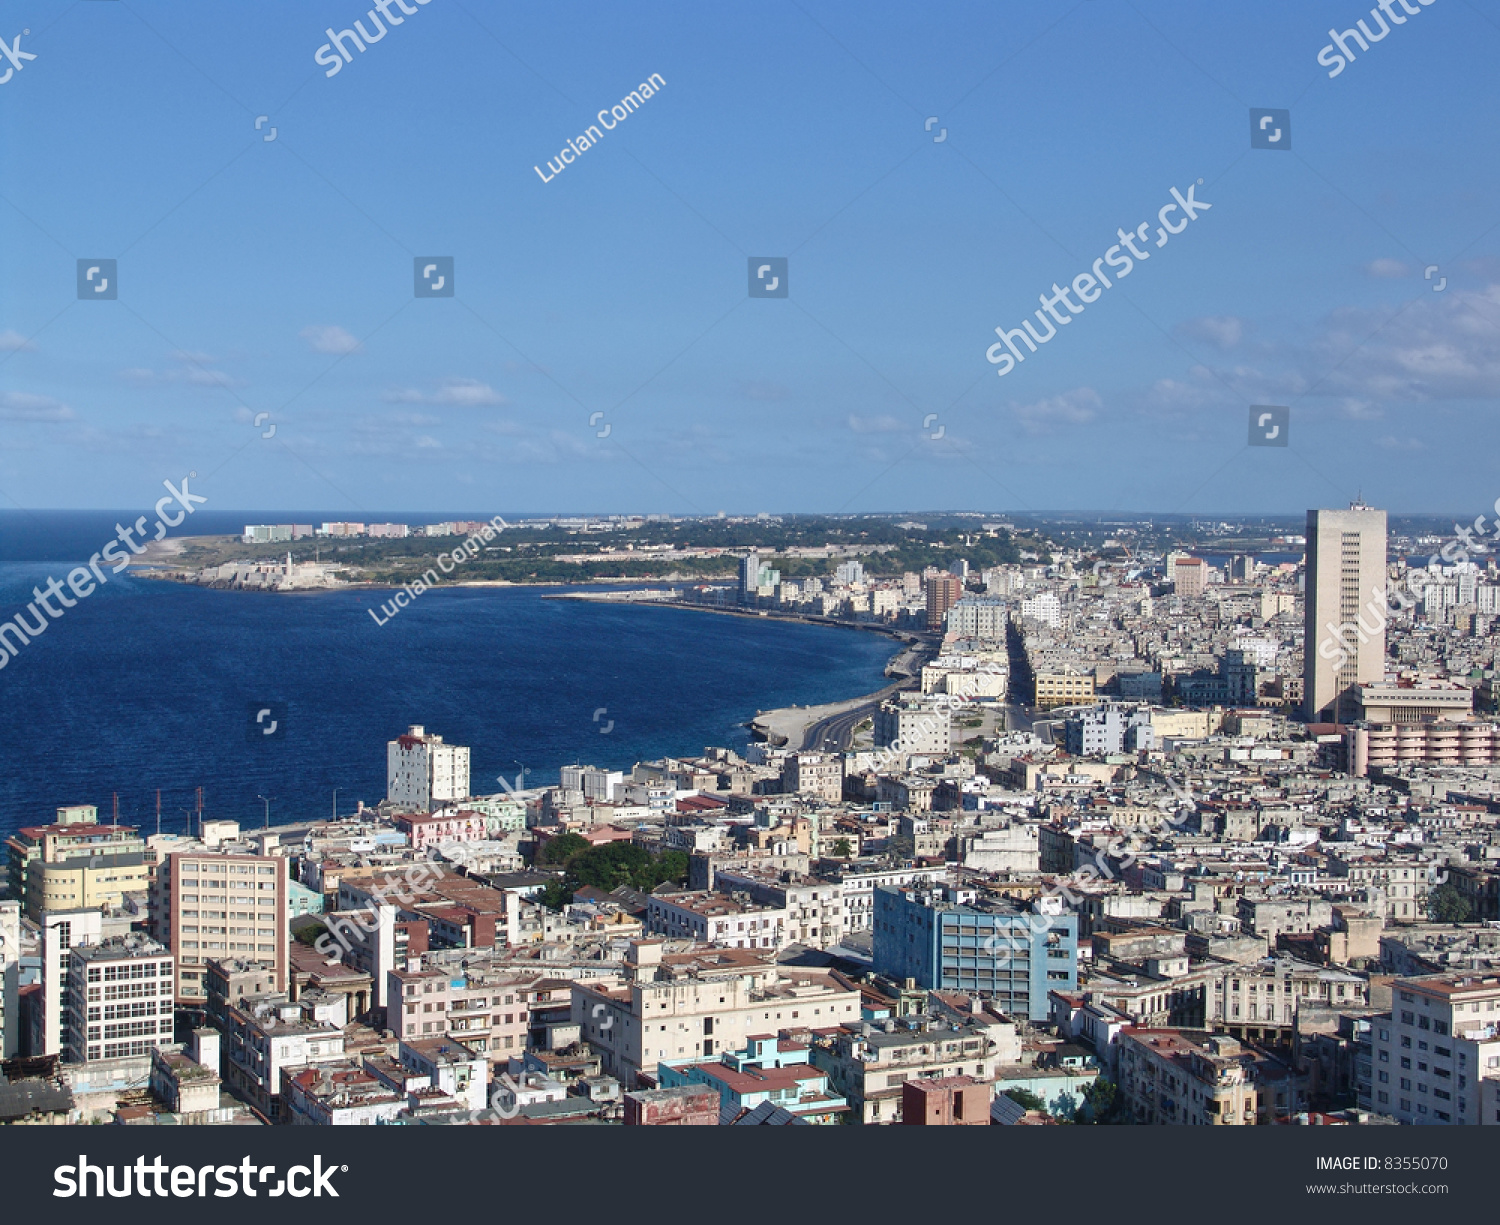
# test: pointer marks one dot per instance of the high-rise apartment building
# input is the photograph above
(1189, 576)
(953, 940)
(749, 577)
(423, 773)
(1344, 610)
(10, 979)
(62, 932)
(943, 592)
(210, 905)
(119, 999)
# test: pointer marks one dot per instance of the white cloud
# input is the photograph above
(329, 338)
(13, 342)
(1387, 269)
(1391, 443)
(463, 393)
(1076, 407)
(1443, 346)
(23, 406)
(191, 369)
(1221, 331)
(196, 376)
(885, 424)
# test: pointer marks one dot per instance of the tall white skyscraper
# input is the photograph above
(750, 571)
(1344, 612)
(424, 773)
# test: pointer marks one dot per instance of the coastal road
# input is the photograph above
(835, 733)
(833, 729)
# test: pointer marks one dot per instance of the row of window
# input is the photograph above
(122, 971)
(131, 1029)
(235, 946)
(140, 1008)
(232, 869)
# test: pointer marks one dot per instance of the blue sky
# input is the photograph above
(275, 276)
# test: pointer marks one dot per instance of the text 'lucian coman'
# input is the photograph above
(609, 119)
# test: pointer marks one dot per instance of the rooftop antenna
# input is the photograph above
(200, 812)
(116, 817)
(158, 812)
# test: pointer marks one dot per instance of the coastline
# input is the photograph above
(781, 727)
(789, 726)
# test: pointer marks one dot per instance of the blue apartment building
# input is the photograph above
(949, 939)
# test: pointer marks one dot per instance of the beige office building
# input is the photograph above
(1344, 610)
(207, 905)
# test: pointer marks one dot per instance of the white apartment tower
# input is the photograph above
(62, 931)
(120, 1002)
(423, 773)
(10, 979)
(1344, 610)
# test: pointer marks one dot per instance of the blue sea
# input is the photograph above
(148, 684)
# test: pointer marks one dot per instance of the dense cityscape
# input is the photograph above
(1131, 837)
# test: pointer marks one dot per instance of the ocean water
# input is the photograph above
(147, 684)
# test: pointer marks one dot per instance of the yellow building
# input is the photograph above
(83, 884)
(1066, 688)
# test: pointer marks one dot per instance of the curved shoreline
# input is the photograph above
(780, 727)
(788, 726)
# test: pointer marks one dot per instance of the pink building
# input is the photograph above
(434, 829)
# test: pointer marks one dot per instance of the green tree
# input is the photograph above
(1102, 1104)
(1026, 1099)
(841, 849)
(563, 848)
(671, 867)
(1446, 904)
